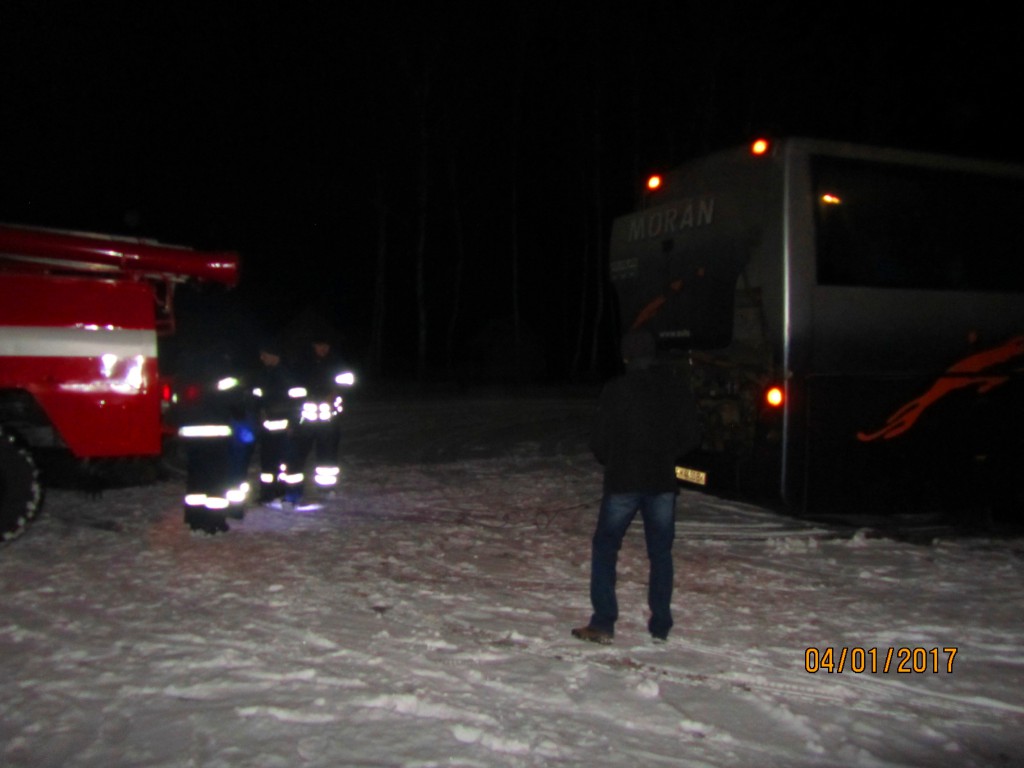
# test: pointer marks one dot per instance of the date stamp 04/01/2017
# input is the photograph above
(907, 660)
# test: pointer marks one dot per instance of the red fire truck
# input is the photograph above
(79, 319)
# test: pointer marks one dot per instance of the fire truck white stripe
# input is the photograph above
(35, 341)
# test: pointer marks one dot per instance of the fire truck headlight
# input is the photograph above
(297, 392)
(108, 362)
(346, 379)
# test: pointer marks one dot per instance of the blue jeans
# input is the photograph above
(617, 511)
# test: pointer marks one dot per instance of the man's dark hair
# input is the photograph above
(638, 349)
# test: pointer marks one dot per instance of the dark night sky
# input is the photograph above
(267, 132)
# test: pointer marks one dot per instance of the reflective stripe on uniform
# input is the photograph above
(326, 476)
(205, 430)
(209, 502)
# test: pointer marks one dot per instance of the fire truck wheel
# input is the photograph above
(20, 491)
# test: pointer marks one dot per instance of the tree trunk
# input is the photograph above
(421, 236)
(585, 269)
(380, 278)
(514, 235)
(514, 238)
(460, 261)
(597, 201)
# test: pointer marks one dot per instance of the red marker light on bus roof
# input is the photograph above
(759, 147)
(654, 182)
(774, 397)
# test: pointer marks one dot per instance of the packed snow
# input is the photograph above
(421, 617)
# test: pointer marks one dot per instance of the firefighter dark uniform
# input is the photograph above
(276, 397)
(325, 378)
(217, 434)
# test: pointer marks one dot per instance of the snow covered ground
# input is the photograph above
(422, 618)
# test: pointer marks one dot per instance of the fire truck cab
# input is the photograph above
(79, 319)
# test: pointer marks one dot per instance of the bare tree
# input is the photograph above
(460, 257)
(514, 252)
(422, 188)
(517, 119)
(380, 277)
(597, 198)
(585, 270)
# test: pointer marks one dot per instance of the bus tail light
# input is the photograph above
(774, 397)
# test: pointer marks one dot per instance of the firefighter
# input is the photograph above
(325, 377)
(217, 435)
(276, 395)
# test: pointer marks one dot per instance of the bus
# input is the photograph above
(851, 320)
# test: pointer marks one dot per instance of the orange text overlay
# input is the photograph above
(859, 660)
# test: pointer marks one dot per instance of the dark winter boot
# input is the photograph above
(592, 635)
(205, 521)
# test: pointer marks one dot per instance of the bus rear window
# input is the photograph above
(893, 226)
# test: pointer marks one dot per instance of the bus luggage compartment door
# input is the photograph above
(871, 448)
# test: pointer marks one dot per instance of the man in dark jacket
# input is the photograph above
(324, 377)
(276, 395)
(217, 438)
(647, 420)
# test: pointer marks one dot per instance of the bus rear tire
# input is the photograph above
(21, 493)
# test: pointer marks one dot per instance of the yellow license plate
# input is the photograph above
(695, 476)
